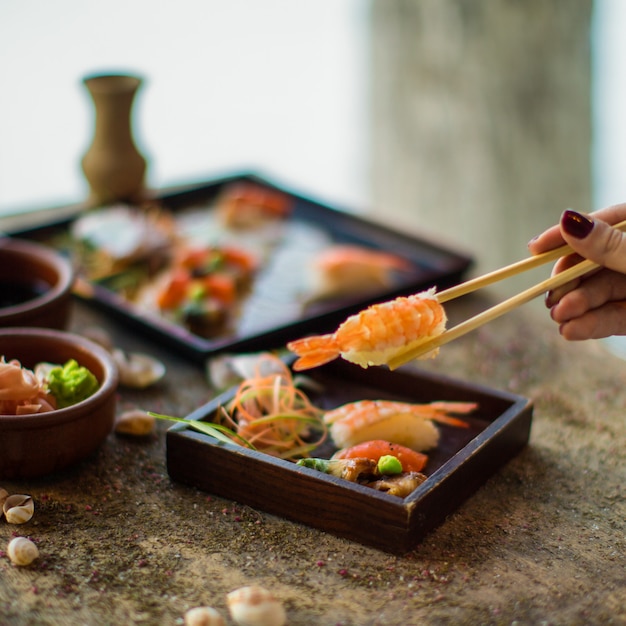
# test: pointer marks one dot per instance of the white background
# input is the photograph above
(274, 85)
(271, 85)
(609, 100)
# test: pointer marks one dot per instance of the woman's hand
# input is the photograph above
(593, 306)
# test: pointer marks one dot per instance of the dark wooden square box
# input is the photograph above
(463, 461)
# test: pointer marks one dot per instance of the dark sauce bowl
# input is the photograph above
(35, 285)
(42, 444)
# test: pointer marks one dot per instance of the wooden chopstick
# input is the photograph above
(503, 307)
(492, 313)
(507, 272)
(502, 274)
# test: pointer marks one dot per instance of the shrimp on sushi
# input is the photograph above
(346, 269)
(247, 205)
(403, 423)
(377, 334)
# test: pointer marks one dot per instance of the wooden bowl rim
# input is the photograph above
(108, 384)
(44, 256)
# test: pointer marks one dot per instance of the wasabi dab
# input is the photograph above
(71, 383)
(388, 465)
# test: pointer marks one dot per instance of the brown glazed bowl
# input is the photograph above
(39, 445)
(35, 285)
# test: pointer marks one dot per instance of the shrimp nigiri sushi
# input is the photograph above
(410, 425)
(345, 269)
(377, 334)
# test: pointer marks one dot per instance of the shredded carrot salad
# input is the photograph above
(272, 414)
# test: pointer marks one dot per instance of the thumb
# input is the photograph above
(595, 240)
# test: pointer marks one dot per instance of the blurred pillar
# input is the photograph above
(481, 119)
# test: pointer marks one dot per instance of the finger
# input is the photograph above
(611, 214)
(606, 321)
(595, 240)
(552, 237)
(555, 296)
(547, 240)
(592, 293)
(564, 263)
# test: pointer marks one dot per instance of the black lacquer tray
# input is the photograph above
(272, 320)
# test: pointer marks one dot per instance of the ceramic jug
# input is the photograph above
(113, 166)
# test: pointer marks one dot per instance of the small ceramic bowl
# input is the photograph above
(39, 445)
(35, 285)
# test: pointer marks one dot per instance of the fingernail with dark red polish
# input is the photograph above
(576, 224)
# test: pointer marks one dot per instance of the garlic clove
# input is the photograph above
(134, 422)
(18, 509)
(203, 616)
(136, 370)
(22, 551)
(255, 606)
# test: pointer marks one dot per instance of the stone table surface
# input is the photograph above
(542, 542)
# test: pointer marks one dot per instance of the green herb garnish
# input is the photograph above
(219, 432)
